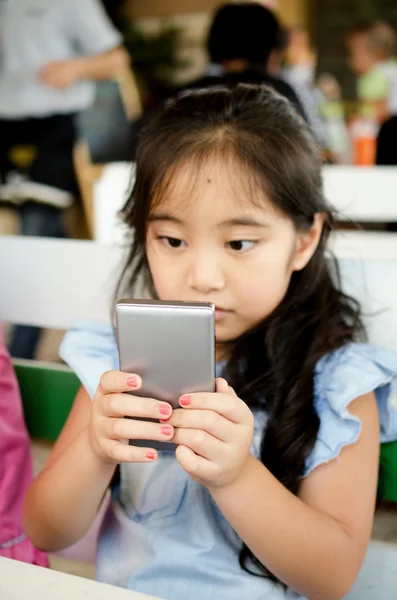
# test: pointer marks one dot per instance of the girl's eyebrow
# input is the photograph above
(236, 222)
(244, 221)
(165, 217)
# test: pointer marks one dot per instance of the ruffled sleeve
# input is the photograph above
(90, 349)
(342, 376)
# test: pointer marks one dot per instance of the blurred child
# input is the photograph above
(15, 468)
(332, 111)
(372, 48)
(308, 95)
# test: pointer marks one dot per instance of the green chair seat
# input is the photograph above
(388, 472)
(48, 391)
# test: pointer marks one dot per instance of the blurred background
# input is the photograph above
(168, 46)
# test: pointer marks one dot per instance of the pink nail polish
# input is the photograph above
(165, 410)
(167, 430)
(185, 400)
(151, 455)
(132, 381)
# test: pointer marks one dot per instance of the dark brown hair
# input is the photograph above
(271, 367)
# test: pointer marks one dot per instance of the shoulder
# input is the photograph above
(90, 349)
(286, 90)
(373, 84)
(342, 376)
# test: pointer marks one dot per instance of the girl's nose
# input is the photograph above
(206, 273)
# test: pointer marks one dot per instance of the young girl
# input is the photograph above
(272, 489)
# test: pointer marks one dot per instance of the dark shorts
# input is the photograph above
(36, 160)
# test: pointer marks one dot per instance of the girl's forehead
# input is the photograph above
(214, 185)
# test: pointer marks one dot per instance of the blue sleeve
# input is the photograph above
(90, 349)
(342, 376)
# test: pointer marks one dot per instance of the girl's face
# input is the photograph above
(216, 242)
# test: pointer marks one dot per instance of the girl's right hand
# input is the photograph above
(109, 431)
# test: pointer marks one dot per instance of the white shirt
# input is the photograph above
(34, 33)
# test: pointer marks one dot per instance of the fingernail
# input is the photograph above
(132, 381)
(185, 400)
(165, 409)
(167, 431)
(151, 455)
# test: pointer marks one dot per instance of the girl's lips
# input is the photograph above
(220, 312)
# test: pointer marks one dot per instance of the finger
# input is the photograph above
(120, 452)
(196, 466)
(227, 405)
(206, 420)
(126, 405)
(135, 429)
(117, 382)
(201, 442)
(222, 387)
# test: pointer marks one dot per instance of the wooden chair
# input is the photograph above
(87, 172)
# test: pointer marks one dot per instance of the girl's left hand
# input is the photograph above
(214, 435)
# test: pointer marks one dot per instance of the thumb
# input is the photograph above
(222, 387)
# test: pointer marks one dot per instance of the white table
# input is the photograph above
(20, 581)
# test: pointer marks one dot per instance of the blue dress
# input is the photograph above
(163, 534)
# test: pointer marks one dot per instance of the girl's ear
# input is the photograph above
(307, 242)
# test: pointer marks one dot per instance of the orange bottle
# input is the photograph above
(364, 134)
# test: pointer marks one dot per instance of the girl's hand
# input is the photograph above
(214, 432)
(109, 431)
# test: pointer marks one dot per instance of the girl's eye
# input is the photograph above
(241, 245)
(172, 242)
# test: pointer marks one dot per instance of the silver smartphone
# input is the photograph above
(171, 346)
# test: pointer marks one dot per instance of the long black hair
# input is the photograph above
(272, 366)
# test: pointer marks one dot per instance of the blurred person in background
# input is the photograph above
(241, 38)
(51, 53)
(300, 58)
(304, 87)
(332, 111)
(372, 57)
(15, 467)
(240, 41)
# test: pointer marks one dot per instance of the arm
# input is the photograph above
(96, 43)
(63, 500)
(63, 74)
(102, 66)
(315, 543)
